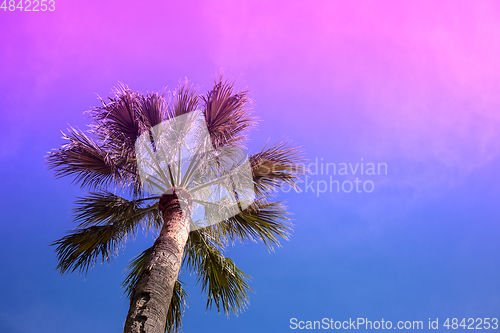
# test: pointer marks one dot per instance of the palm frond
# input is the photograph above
(104, 208)
(105, 221)
(85, 160)
(274, 166)
(118, 124)
(227, 114)
(176, 308)
(118, 118)
(262, 221)
(82, 248)
(135, 268)
(151, 110)
(225, 285)
(183, 100)
(179, 295)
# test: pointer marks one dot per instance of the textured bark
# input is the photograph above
(151, 298)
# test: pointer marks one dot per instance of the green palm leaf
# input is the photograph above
(262, 221)
(103, 208)
(176, 308)
(82, 248)
(105, 220)
(225, 285)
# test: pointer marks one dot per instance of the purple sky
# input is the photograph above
(411, 84)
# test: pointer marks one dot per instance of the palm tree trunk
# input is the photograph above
(151, 298)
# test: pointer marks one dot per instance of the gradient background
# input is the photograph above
(413, 84)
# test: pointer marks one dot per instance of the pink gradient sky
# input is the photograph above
(422, 74)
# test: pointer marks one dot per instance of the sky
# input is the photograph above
(409, 86)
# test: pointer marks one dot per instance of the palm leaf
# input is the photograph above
(262, 221)
(227, 114)
(121, 120)
(151, 110)
(274, 166)
(225, 285)
(183, 100)
(135, 268)
(85, 160)
(176, 308)
(82, 248)
(118, 118)
(104, 208)
(105, 222)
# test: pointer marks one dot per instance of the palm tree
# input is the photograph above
(123, 200)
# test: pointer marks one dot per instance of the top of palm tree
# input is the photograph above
(105, 160)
